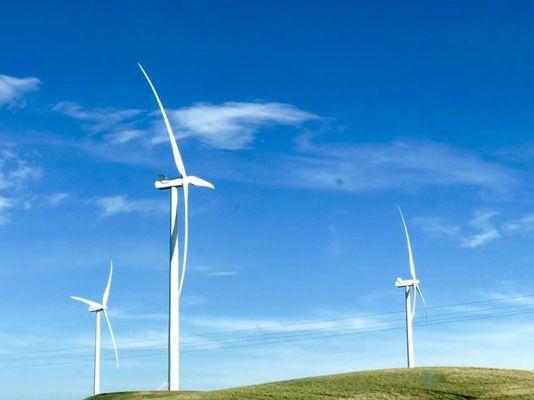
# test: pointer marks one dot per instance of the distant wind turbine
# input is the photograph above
(97, 309)
(410, 286)
(176, 277)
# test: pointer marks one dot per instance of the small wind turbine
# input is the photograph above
(176, 277)
(97, 308)
(411, 285)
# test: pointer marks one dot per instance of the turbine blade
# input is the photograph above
(90, 303)
(108, 287)
(414, 301)
(176, 153)
(410, 254)
(186, 236)
(194, 180)
(112, 339)
(418, 289)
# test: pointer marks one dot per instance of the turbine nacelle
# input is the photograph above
(98, 309)
(164, 183)
(403, 283)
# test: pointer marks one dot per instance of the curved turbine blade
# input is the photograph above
(414, 301)
(194, 180)
(106, 293)
(92, 304)
(418, 290)
(186, 235)
(175, 151)
(112, 339)
(410, 254)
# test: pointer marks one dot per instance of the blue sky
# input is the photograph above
(313, 121)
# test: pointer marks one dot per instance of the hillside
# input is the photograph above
(420, 383)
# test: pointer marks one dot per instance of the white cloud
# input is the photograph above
(482, 221)
(103, 117)
(114, 205)
(230, 125)
(480, 230)
(5, 205)
(218, 274)
(123, 136)
(233, 125)
(514, 299)
(113, 121)
(11, 343)
(57, 199)
(520, 225)
(480, 239)
(219, 323)
(435, 226)
(15, 170)
(12, 89)
(135, 315)
(15, 174)
(395, 165)
(212, 272)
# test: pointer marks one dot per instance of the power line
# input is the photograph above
(312, 334)
(220, 334)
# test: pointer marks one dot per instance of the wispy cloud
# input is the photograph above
(15, 173)
(487, 232)
(313, 164)
(19, 342)
(219, 274)
(104, 119)
(395, 165)
(480, 230)
(120, 204)
(212, 272)
(520, 225)
(135, 315)
(56, 199)
(16, 170)
(230, 125)
(5, 205)
(435, 226)
(514, 299)
(480, 239)
(233, 125)
(13, 89)
(220, 323)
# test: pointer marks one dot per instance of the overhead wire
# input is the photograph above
(271, 338)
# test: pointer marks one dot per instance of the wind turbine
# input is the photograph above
(97, 308)
(176, 278)
(410, 286)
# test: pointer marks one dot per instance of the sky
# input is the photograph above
(313, 120)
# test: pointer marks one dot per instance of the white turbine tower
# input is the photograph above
(176, 278)
(97, 308)
(410, 286)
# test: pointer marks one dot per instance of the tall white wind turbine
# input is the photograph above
(410, 286)
(98, 308)
(176, 278)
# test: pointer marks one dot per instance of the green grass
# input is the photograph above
(402, 384)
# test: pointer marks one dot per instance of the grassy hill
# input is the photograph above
(403, 384)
